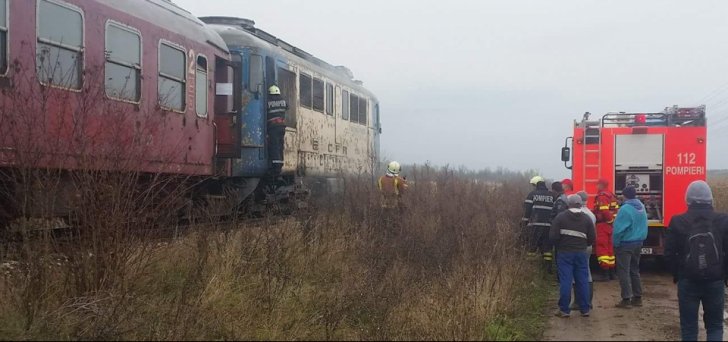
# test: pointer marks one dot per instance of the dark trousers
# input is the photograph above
(573, 268)
(628, 270)
(690, 294)
(542, 244)
(276, 143)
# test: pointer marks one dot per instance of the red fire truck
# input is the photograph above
(660, 154)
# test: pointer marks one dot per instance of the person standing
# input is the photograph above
(695, 247)
(276, 129)
(571, 232)
(630, 232)
(605, 209)
(537, 214)
(589, 250)
(560, 203)
(568, 186)
(391, 186)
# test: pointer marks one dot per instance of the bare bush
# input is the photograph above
(444, 267)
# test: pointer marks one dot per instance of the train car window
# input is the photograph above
(256, 73)
(345, 105)
(304, 88)
(329, 99)
(59, 52)
(3, 37)
(123, 65)
(354, 108)
(363, 112)
(318, 95)
(172, 77)
(287, 83)
(201, 89)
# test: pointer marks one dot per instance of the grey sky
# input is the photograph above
(498, 83)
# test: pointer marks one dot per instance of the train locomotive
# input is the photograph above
(95, 84)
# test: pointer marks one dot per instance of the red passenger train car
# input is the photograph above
(658, 153)
(109, 85)
(96, 81)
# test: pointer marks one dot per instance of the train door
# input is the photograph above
(377, 124)
(287, 82)
(253, 154)
(227, 107)
(339, 115)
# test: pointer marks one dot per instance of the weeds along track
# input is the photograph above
(65, 237)
(444, 267)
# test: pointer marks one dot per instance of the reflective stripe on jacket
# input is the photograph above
(538, 207)
(606, 207)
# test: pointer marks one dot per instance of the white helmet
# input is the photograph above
(274, 90)
(536, 179)
(394, 168)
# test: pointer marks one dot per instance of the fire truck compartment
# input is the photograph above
(639, 151)
(639, 162)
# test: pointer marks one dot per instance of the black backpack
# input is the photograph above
(704, 250)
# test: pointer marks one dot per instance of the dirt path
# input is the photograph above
(657, 320)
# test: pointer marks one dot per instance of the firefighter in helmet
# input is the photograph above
(605, 209)
(537, 214)
(277, 107)
(392, 186)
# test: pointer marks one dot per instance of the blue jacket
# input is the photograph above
(630, 226)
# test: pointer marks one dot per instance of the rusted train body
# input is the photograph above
(143, 85)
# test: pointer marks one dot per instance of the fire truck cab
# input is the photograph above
(660, 154)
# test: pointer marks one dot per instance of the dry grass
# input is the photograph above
(449, 269)
(719, 186)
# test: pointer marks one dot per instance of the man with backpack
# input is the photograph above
(695, 249)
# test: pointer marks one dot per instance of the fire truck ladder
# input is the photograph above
(592, 159)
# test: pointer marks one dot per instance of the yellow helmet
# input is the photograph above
(274, 90)
(537, 179)
(394, 168)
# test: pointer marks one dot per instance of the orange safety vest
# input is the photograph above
(391, 188)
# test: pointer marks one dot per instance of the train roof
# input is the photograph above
(242, 32)
(169, 16)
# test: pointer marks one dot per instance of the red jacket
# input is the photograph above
(606, 207)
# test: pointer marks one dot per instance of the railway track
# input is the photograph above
(65, 237)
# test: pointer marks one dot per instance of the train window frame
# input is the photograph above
(5, 64)
(377, 119)
(309, 104)
(257, 87)
(345, 110)
(315, 98)
(365, 115)
(139, 68)
(287, 81)
(80, 51)
(353, 118)
(207, 85)
(161, 75)
(329, 98)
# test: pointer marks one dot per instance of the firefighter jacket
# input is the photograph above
(606, 207)
(538, 207)
(277, 107)
(391, 187)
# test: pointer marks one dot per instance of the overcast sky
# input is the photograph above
(499, 83)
